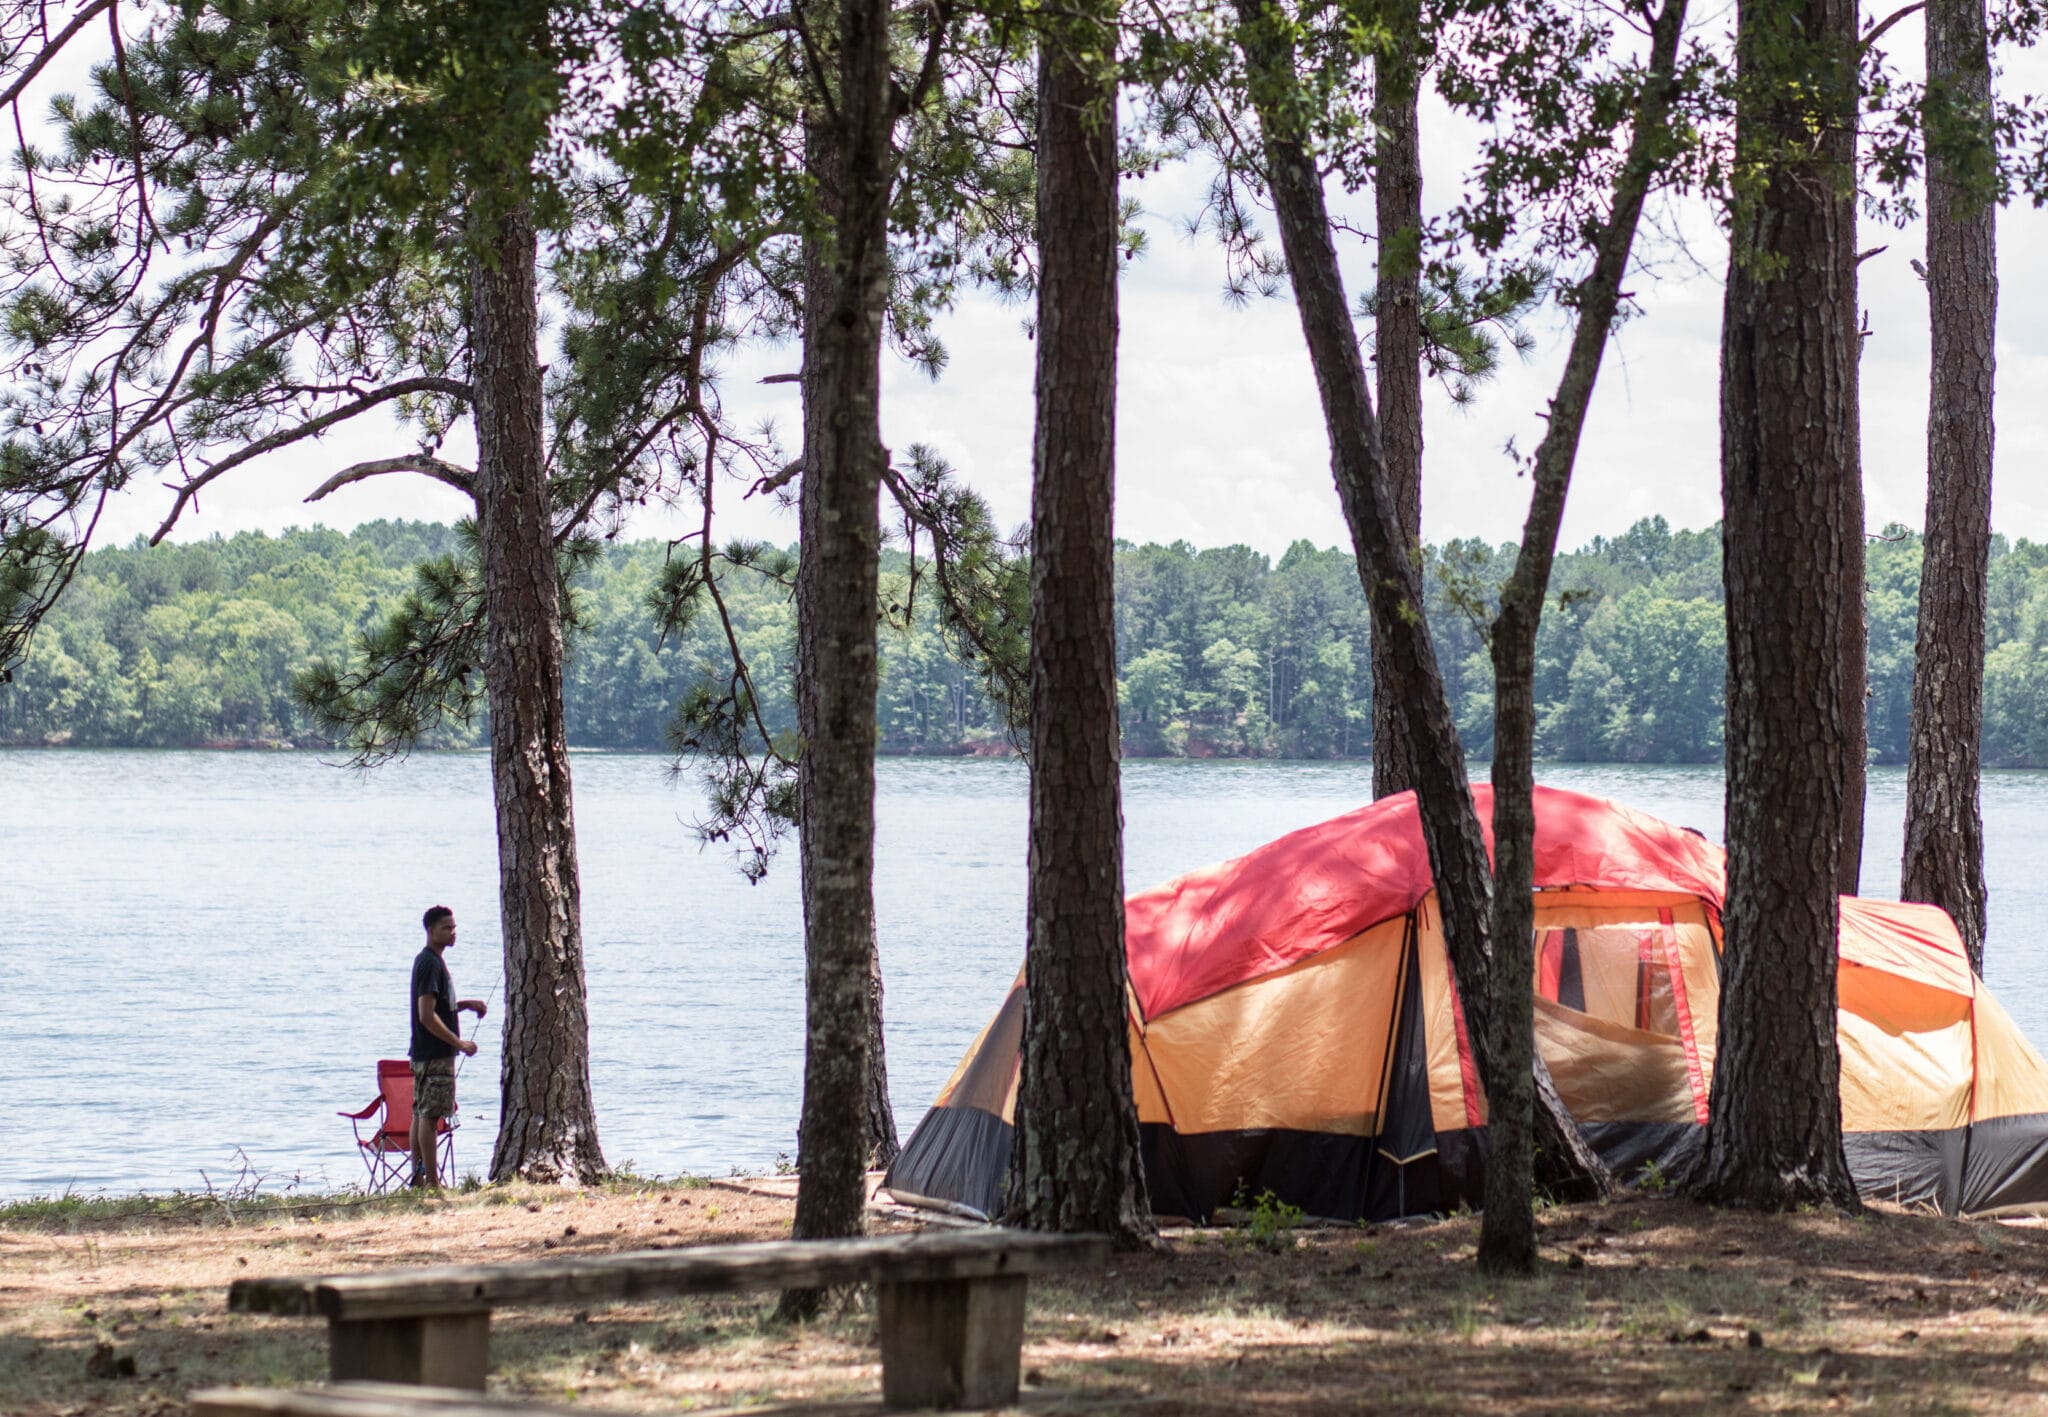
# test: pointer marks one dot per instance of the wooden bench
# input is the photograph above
(952, 1304)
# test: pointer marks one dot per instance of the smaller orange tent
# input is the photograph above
(1295, 1028)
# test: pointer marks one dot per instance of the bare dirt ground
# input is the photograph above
(1649, 1305)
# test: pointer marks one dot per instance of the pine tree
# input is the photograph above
(366, 217)
(1482, 908)
(853, 103)
(1944, 854)
(1075, 1160)
(1774, 1137)
(1654, 99)
(1397, 335)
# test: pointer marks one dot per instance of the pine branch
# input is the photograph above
(1876, 31)
(13, 92)
(461, 479)
(311, 428)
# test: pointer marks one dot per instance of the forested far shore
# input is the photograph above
(1221, 652)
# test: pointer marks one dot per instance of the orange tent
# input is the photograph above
(1295, 1028)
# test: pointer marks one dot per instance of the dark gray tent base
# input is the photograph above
(958, 1155)
(1994, 1165)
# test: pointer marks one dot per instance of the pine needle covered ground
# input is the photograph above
(1651, 1305)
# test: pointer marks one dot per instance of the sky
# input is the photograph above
(1220, 438)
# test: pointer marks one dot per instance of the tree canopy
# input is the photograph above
(1221, 651)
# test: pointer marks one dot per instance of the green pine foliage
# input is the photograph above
(1223, 652)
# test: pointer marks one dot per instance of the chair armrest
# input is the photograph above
(375, 1103)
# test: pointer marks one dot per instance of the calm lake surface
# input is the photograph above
(205, 951)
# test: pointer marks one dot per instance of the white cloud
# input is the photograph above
(1220, 435)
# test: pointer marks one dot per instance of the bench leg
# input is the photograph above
(444, 1350)
(952, 1342)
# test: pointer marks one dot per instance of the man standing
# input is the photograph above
(436, 1039)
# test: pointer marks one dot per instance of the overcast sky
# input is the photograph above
(1220, 436)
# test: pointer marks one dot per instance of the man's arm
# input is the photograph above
(475, 1006)
(431, 1022)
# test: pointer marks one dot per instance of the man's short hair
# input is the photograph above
(435, 915)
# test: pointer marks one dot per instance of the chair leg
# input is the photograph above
(386, 1169)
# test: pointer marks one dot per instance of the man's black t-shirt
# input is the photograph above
(430, 976)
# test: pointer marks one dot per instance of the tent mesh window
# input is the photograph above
(1617, 974)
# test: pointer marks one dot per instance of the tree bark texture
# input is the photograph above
(1855, 617)
(1944, 859)
(1391, 578)
(881, 1117)
(1075, 1163)
(1508, 1237)
(1397, 341)
(841, 531)
(547, 1124)
(1774, 1138)
(821, 161)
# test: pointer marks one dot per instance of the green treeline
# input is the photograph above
(1222, 651)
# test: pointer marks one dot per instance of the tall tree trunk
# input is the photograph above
(1510, 1243)
(1397, 341)
(1074, 1163)
(1774, 1139)
(1393, 587)
(841, 530)
(821, 161)
(1855, 617)
(1944, 860)
(547, 1125)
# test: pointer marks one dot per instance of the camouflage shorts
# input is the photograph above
(433, 1087)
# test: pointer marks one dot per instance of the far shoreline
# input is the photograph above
(994, 753)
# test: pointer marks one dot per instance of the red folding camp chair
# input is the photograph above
(387, 1148)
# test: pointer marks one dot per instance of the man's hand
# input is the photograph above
(475, 1006)
(468, 1048)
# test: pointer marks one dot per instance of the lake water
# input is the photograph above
(203, 951)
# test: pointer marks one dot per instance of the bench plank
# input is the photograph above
(647, 1274)
(365, 1400)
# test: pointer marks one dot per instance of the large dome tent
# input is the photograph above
(1295, 1029)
